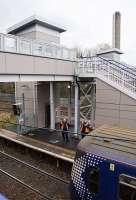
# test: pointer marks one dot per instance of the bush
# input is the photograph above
(5, 118)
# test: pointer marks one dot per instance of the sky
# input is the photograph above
(88, 22)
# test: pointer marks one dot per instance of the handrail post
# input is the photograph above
(2, 42)
(123, 79)
(95, 64)
(18, 44)
(108, 72)
(31, 48)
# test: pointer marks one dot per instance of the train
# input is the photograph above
(2, 197)
(105, 165)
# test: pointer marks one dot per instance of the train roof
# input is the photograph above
(111, 142)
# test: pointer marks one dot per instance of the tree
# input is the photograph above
(88, 52)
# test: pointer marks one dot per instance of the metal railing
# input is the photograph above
(98, 66)
(125, 66)
(15, 44)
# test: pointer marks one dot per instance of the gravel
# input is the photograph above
(46, 185)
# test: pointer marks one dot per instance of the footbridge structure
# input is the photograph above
(22, 59)
(51, 83)
(101, 86)
(114, 99)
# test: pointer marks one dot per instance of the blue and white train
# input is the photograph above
(105, 166)
(2, 197)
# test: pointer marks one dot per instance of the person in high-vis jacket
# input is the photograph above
(87, 127)
(64, 127)
(82, 129)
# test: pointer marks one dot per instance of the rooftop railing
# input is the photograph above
(15, 44)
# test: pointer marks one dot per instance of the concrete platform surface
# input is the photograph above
(41, 145)
(54, 137)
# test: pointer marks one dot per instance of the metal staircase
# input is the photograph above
(116, 74)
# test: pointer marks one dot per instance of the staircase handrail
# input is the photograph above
(111, 64)
(123, 64)
(113, 73)
(117, 65)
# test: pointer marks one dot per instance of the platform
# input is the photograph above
(42, 142)
(54, 137)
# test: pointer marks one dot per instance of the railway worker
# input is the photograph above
(61, 124)
(90, 126)
(64, 127)
(87, 127)
(82, 129)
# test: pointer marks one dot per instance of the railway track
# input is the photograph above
(29, 182)
(40, 160)
(9, 179)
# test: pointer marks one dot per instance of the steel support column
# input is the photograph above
(77, 126)
(93, 106)
(52, 107)
(35, 85)
(69, 104)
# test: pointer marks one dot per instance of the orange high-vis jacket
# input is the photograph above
(87, 130)
(61, 125)
(82, 128)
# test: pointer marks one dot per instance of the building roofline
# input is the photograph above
(34, 19)
(113, 50)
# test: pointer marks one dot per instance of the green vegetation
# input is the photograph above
(8, 88)
(6, 118)
(7, 91)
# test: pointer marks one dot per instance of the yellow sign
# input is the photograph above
(112, 167)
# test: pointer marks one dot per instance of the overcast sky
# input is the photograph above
(88, 22)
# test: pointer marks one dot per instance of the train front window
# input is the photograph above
(127, 187)
(93, 179)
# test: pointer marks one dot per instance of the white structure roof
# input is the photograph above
(34, 19)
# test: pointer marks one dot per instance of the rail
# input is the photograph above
(99, 67)
(124, 66)
(31, 167)
(34, 168)
(25, 185)
(15, 44)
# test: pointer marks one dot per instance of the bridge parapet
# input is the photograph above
(22, 59)
(15, 44)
